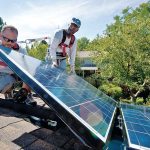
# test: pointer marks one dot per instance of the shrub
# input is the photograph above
(112, 90)
(126, 101)
(139, 101)
(90, 80)
(38, 51)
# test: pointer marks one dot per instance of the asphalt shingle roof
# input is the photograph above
(17, 133)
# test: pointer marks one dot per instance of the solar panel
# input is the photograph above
(85, 109)
(137, 125)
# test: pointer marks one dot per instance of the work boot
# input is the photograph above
(30, 101)
(22, 96)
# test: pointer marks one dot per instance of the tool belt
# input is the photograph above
(3, 74)
(60, 54)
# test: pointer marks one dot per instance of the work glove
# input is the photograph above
(54, 63)
(72, 70)
(21, 95)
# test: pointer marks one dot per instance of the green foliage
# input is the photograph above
(77, 63)
(95, 45)
(125, 101)
(148, 103)
(111, 90)
(38, 50)
(1, 23)
(124, 50)
(93, 79)
(148, 99)
(139, 101)
(90, 80)
(82, 43)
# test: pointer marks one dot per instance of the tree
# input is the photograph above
(82, 43)
(1, 23)
(38, 50)
(124, 50)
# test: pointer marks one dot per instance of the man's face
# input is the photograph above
(8, 38)
(73, 28)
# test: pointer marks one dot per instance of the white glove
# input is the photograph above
(54, 64)
(72, 69)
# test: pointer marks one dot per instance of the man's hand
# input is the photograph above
(54, 64)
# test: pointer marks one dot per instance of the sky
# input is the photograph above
(41, 18)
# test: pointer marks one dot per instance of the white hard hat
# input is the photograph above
(76, 21)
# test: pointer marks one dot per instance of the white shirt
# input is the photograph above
(54, 47)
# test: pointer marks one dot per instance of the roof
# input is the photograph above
(17, 132)
(86, 54)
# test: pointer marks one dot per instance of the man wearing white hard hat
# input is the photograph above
(64, 44)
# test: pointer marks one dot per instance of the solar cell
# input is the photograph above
(85, 109)
(137, 125)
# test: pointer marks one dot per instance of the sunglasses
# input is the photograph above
(9, 40)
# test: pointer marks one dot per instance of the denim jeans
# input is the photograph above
(5, 80)
(62, 64)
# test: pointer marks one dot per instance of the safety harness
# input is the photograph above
(63, 45)
(16, 47)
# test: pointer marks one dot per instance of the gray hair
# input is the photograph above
(10, 27)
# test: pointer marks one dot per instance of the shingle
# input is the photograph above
(42, 133)
(5, 120)
(8, 145)
(25, 139)
(16, 133)
(40, 145)
(25, 126)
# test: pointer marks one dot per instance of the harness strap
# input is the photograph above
(3, 64)
(63, 46)
(71, 41)
(16, 47)
(64, 49)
